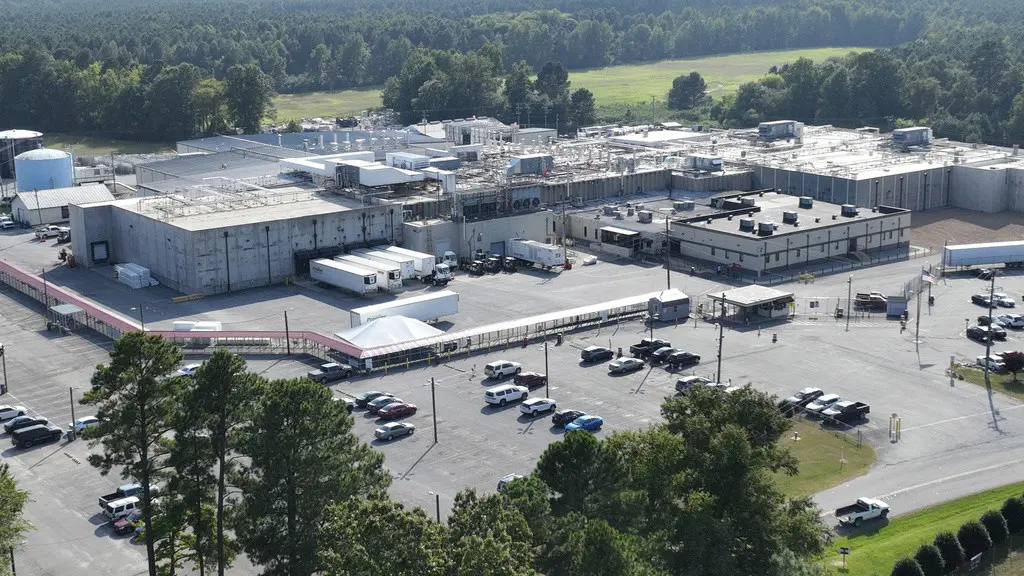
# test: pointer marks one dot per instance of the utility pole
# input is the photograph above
(433, 410)
(14, 571)
(668, 254)
(929, 290)
(71, 396)
(988, 341)
(287, 335)
(547, 375)
(3, 358)
(849, 296)
(721, 337)
(917, 321)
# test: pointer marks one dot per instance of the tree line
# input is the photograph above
(272, 469)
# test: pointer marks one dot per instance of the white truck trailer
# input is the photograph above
(424, 263)
(1009, 253)
(405, 263)
(533, 252)
(389, 275)
(427, 307)
(344, 275)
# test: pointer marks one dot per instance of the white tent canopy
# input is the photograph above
(387, 330)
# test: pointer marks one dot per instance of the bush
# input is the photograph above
(996, 526)
(974, 538)
(907, 567)
(952, 552)
(930, 560)
(1013, 512)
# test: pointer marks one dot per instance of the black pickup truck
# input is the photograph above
(647, 346)
(846, 412)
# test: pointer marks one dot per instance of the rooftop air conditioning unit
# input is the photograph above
(766, 228)
(848, 210)
(689, 205)
(629, 211)
(789, 217)
(609, 210)
(645, 216)
(747, 200)
(679, 206)
(746, 224)
(806, 202)
(618, 215)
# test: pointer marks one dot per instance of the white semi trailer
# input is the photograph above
(428, 307)
(1009, 253)
(538, 253)
(344, 275)
(404, 263)
(389, 275)
(424, 263)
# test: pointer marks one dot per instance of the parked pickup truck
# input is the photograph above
(864, 509)
(126, 491)
(330, 372)
(846, 411)
(647, 346)
(50, 231)
(870, 301)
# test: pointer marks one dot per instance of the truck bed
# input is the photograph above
(851, 509)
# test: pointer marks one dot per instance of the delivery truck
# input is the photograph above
(428, 307)
(343, 275)
(405, 263)
(1009, 253)
(389, 275)
(531, 252)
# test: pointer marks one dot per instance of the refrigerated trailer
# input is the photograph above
(389, 275)
(344, 275)
(427, 308)
(533, 252)
(405, 263)
(1009, 253)
(424, 263)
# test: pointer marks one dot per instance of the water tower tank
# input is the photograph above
(44, 169)
(14, 142)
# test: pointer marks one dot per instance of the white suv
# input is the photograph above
(502, 369)
(535, 406)
(504, 394)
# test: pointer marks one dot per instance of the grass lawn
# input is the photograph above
(1000, 382)
(819, 452)
(326, 104)
(97, 145)
(640, 82)
(876, 546)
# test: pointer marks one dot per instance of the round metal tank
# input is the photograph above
(14, 142)
(44, 169)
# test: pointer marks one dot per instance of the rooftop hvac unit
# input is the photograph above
(618, 215)
(689, 205)
(746, 224)
(916, 136)
(766, 228)
(747, 201)
(848, 210)
(678, 206)
(645, 216)
(609, 210)
(806, 202)
(629, 211)
(789, 217)
(406, 215)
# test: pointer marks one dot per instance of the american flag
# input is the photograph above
(927, 277)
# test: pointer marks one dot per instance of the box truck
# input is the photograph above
(389, 275)
(532, 252)
(344, 275)
(427, 307)
(404, 263)
(1009, 253)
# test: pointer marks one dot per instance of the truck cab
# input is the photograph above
(330, 372)
(450, 259)
(440, 276)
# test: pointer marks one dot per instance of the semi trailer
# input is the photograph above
(1009, 253)
(389, 275)
(405, 264)
(424, 263)
(428, 307)
(343, 275)
(536, 253)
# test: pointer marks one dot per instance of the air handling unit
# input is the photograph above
(907, 137)
(780, 130)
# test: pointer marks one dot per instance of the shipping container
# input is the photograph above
(346, 276)
(1009, 253)
(427, 308)
(405, 263)
(389, 275)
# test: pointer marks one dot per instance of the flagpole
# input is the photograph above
(917, 321)
(930, 290)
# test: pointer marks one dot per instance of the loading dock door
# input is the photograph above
(498, 248)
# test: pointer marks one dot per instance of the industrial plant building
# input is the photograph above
(41, 207)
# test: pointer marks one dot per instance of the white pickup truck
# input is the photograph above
(50, 231)
(864, 509)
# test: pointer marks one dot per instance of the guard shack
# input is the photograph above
(751, 303)
(669, 306)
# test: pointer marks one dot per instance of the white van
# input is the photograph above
(120, 508)
(504, 394)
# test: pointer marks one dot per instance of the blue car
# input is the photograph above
(585, 422)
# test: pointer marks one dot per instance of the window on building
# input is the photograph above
(553, 227)
(890, 234)
(768, 257)
(595, 233)
(584, 231)
(797, 252)
(726, 254)
(712, 250)
(776, 257)
(741, 257)
(823, 248)
(901, 232)
(837, 245)
(64, 212)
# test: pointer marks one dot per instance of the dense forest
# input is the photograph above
(174, 68)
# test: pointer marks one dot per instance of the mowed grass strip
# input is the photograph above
(326, 104)
(1000, 382)
(819, 452)
(85, 145)
(877, 545)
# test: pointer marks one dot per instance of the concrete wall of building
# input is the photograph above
(606, 186)
(713, 182)
(1015, 189)
(464, 239)
(91, 223)
(919, 190)
(979, 188)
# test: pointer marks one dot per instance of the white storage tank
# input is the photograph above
(44, 169)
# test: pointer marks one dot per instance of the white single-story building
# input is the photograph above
(41, 207)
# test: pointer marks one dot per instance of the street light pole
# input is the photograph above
(14, 571)
(547, 375)
(433, 410)
(142, 318)
(437, 506)
(287, 335)
(3, 358)
(668, 257)
(71, 396)
(849, 296)
(988, 341)
(721, 337)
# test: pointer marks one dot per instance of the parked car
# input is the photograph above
(38, 434)
(83, 423)
(375, 405)
(530, 379)
(393, 430)
(7, 412)
(506, 393)
(188, 370)
(979, 271)
(350, 404)
(985, 320)
(986, 274)
(587, 422)
(366, 397)
(1011, 320)
(396, 410)
(997, 331)
(535, 406)
(120, 508)
(6, 223)
(687, 382)
(662, 354)
(596, 354)
(802, 397)
(864, 509)
(19, 422)
(1003, 300)
(128, 522)
(50, 231)
(563, 417)
(507, 479)
(502, 369)
(981, 300)
(822, 403)
(846, 411)
(647, 346)
(682, 359)
(330, 372)
(994, 363)
(980, 333)
(625, 365)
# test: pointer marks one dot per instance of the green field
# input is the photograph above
(819, 453)
(98, 145)
(611, 86)
(877, 545)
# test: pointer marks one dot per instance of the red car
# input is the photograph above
(128, 523)
(396, 410)
(530, 379)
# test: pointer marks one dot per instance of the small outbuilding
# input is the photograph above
(40, 207)
(669, 305)
(753, 302)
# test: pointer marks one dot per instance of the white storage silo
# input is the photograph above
(44, 169)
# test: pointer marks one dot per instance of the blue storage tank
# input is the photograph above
(44, 169)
